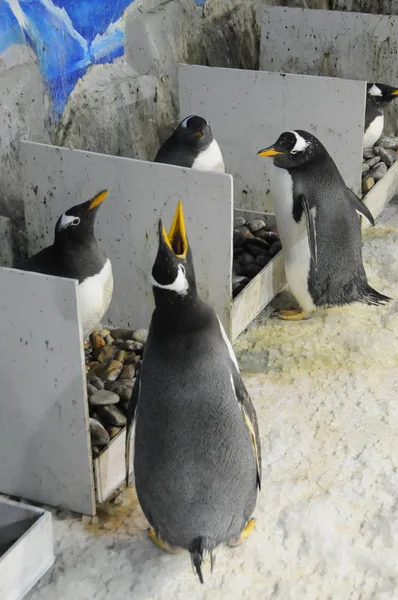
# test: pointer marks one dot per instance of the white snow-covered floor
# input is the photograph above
(326, 393)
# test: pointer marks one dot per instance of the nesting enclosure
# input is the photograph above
(26, 547)
(45, 432)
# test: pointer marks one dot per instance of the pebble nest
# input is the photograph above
(113, 358)
(255, 245)
(377, 161)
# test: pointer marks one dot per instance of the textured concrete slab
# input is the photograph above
(332, 44)
(140, 192)
(248, 110)
(44, 439)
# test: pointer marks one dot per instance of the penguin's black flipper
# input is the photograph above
(131, 408)
(250, 417)
(360, 207)
(310, 229)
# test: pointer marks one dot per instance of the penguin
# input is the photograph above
(192, 145)
(197, 455)
(316, 215)
(378, 96)
(75, 254)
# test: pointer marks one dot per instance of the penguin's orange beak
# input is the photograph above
(395, 92)
(268, 152)
(176, 239)
(98, 199)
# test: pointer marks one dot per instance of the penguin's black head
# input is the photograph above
(378, 94)
(173, 276)
(77, 223)
(194, 132)
(294, 149)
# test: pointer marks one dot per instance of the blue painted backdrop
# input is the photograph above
(67, 37)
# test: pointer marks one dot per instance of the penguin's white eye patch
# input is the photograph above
(67, 220)
(184, 123)
(300, 145)
(375, 91)
(179, 285)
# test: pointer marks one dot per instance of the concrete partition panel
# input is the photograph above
(140, 192)
(44, 432)
(248, 110)
(332, 44)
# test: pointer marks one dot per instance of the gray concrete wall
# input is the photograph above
(332, 44)
(44, 433)
(139, 193)
(249, 110)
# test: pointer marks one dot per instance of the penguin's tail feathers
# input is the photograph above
(375, 298)
(198, 549)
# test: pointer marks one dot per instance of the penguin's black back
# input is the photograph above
(71, 261)
(174, 153)
(195, 469)
(340, 276)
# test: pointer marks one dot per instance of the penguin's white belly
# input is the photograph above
(373, 132)
(210, 159)
(95, 294)
(294, 238)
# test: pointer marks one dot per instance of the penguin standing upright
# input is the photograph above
(197, 459)
(378, 96)
(76, 254)
(316, 215)
(192, 145)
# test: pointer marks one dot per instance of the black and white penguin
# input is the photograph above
(317, 220)
(75, 254)
(197, 459)
(378, 96)
(192, 145)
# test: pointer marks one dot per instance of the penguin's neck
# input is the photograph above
(180, 314)
(81, 251)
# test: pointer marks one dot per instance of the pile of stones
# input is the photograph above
(377, 160)
(113, 358)
(255, 245)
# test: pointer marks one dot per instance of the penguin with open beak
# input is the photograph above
(197, 458)
(378, 96)
(76, 254)
(192, 145)
(317, 220)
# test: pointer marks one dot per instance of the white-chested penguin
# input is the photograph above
(75, 254)
(319, 227)
(197, 458)
(192, 145)
(378, 96)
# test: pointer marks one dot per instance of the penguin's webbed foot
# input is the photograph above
(292, 314)
(160, 543)
(244, 535)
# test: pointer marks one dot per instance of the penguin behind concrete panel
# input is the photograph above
(192, 145)
(197, 459)
(378, 96)
(76, 254)
(316, 215)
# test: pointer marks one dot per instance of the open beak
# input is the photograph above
(176, 239)
(268, 152)
(98, 199)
